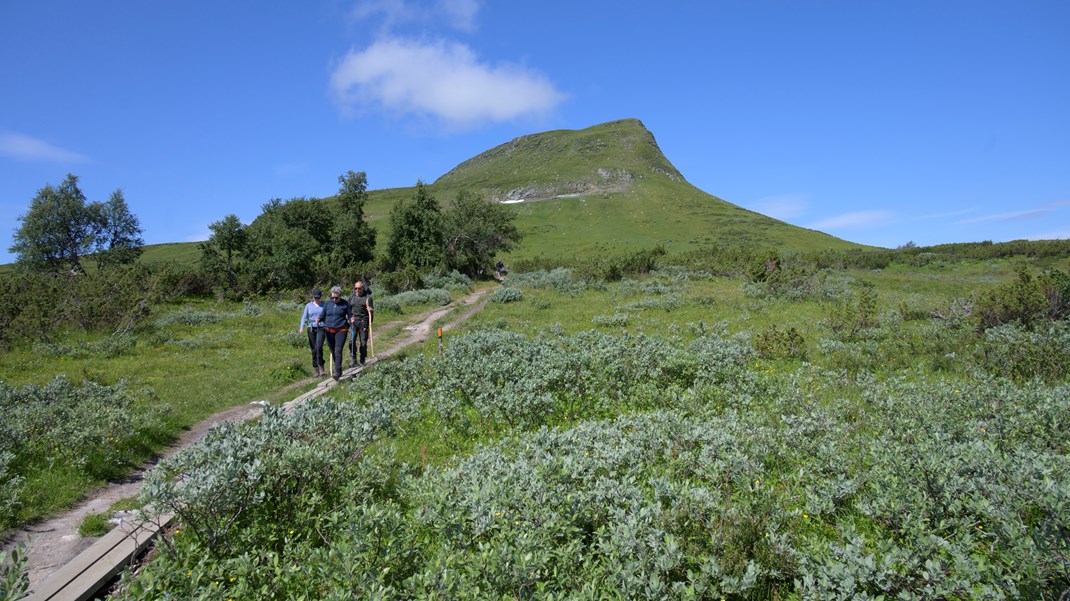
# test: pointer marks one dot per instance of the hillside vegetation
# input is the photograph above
(603, 189)
(797, 433)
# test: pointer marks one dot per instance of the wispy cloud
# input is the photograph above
(1051, 235)
(443, 80)
(457, 14)
(286, 169)
(858, 219)
(1016, 215)
(26, 148)
(785, 206)
(945, 215)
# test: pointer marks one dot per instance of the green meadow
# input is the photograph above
(829, 433)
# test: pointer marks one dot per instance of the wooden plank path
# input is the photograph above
(85, 575)
(92, 569)
(82, 577)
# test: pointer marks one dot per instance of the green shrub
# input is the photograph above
(617, 320)
(559, 280)
(1020, 353)
(1025, 301)
(506, 295)
(590, 466)
(453, 280)
(853, 313)
(89, 432)
(14, 574)
(111, 346)
(187, 316)
(433, 296)
(780, 344)
(401, 280)
(10, 488)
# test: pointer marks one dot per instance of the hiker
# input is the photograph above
(361, 301)
(499, 269)
(338, 314)
(313, 318)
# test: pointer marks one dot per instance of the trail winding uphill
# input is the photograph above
(54, 542)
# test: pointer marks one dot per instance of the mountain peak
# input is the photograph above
(604, 158)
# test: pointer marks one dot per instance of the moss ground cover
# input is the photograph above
(543, 454)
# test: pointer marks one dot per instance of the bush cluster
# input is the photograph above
(112, 300)
(626, 467)
(506, 295)
(89, 432)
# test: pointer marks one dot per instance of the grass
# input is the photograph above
(619, 193)
(701, 305)
(95, 524)
(231, 357)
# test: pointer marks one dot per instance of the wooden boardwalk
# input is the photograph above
(93, 568)
(84, 576)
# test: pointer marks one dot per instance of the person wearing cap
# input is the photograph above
(313, 318)
(361, 300)
(338, 315)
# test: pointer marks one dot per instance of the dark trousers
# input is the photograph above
(360, 333)
(315, 344)
(337, 342)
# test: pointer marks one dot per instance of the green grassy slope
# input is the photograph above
(606, 188)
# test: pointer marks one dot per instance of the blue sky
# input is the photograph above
(876, 121)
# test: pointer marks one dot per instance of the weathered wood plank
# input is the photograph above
(83, 576)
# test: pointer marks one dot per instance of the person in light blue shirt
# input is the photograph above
(314, 318)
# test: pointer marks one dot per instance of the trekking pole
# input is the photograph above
(371, 340)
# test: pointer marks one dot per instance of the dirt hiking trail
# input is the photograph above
(52, 543)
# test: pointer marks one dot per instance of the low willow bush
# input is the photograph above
(506, 295)
(111, 346)
(424, 296)
(453, 280)
(1023, 353)
(591, 466)
(188, 316)
(88, 433)
(558, 280)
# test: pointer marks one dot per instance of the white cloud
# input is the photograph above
(858, 219)
(781, 207)
(25, 148)
(444, 80)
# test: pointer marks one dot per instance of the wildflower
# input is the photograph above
(806, 516)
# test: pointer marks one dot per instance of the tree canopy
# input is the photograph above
(417, 237)
(476, 230)
(61, 229)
